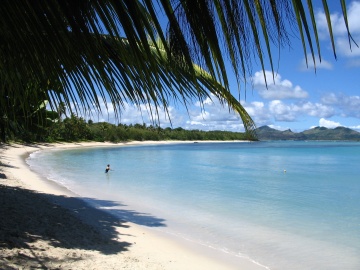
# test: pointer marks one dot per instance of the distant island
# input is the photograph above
(266, 133)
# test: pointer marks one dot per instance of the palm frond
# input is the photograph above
(88, 52)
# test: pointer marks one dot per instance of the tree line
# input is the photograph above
(75, 128)
(86, 53)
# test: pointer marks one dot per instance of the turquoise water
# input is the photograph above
(283, 205)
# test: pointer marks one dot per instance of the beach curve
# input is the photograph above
(57, 230)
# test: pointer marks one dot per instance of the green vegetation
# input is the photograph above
(77, 129)
(86, 53)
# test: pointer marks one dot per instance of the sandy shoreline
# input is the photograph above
(45, 226)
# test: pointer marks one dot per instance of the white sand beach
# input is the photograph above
(45, 226)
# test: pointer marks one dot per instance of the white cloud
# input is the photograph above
(213, 116)
(132, 114)
(146, 113)
(353, 19)
(282, 112)
(211, 110)
(339, 29)
(318, 65)
(343, 46)
(348, 105)
(276, 87)
(328, 123)
(278, 127)
(355, 127)
(255, 108)
(258, 112)
(329, 98)
(316, 109)
(291, 112)
(354, 63)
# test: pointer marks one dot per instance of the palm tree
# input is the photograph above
(84, 52)
(61, 110)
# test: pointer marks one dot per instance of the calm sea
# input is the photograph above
(284, 205)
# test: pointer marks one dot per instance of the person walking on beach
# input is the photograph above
(107, 168)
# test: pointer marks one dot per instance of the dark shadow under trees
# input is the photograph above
(65, 222)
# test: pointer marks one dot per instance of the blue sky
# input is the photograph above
(299, 98)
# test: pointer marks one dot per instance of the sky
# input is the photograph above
(298, 98)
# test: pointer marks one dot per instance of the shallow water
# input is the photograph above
(284, 205)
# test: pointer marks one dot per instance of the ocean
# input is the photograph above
(282, 205)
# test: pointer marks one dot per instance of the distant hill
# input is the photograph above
(266, 133)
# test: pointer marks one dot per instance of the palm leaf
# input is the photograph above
(74, 51)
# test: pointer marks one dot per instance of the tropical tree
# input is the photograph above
(84, 53)
(30, 123)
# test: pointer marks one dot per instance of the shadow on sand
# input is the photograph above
(65, 222)
(31, 222)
